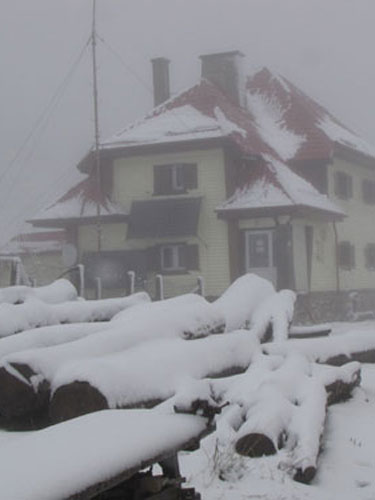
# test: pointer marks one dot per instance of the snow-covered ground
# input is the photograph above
(346, 468)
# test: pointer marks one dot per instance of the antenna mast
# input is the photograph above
(97, 133)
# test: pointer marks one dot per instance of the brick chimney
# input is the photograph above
(225, 69)
(160, 76)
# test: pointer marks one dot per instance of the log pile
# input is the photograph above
(188, 356)
(283, 405)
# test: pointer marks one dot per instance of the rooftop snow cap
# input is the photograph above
(225, 69)
(160, 76)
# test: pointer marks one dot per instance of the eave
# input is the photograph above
(298, 211)
(126, 151)
(79, 221)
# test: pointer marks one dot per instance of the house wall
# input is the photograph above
(133, 180)
(358, 227)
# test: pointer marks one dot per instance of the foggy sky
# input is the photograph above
(324, 46)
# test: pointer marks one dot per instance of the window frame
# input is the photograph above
(370, 249)
(177, 257)
(346, 255)
(174, 178)
(343, 185)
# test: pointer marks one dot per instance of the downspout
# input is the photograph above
(336, 257)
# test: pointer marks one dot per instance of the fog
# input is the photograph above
(324, 46)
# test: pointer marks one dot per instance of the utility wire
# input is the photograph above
(116, 54)
(40, 126)
(59, 92)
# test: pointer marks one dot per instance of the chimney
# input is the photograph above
(160, 76)
(224, 69)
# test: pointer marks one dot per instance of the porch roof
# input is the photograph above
(274, 189)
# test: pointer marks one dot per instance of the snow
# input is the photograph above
(276, 310)
(298, 189)
(35, 313)
(181, 123)
(65, 459)
(78, 207)
(340, 134)
(239, 302)
(188, 316)
(346, 467)
(59, 291)
(49, 336)
(268, 116)
(131, 376)
(284, 189)
(324, 348)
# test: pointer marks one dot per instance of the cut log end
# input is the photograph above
(17, 396)
(74, 400)
(305, 475)
(255, 445)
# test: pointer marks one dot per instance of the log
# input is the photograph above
(282, 412)
(335, 350)
(150, 373)
(191, 320)
(35, 313)
(267, 420)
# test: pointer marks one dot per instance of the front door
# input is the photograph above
(259, 258)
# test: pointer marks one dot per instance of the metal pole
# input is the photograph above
(97, 133)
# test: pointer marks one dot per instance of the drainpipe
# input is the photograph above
(336, 257)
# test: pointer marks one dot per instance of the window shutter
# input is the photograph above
(153, 258)
(190, 176)
(352, 256)
(191, 257)
(350, 186)
(336, 183)
(162, 179)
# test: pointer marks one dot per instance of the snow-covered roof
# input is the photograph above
(295, 125)
(273, 185)
(201, 112)
(35, 242)
(280, 120)
(79, 203)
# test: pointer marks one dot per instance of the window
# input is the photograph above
(175, 178)
(346, 255)
(178, 257)
(368, 191)
(370, 256)
(343, 185)
(172, 258)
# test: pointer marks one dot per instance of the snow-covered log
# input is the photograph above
(240, 301)
(35, 313)
(267, 420)
(309, 331)
(60, 290)
(47, 336)
(86, 456)
(285, 403)
(149, 373)
(306, 429)
(272, 319)
(334, 350)
(184, 319)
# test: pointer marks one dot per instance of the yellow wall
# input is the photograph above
(358, 228)
(133, 180)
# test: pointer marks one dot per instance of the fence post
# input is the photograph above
(200, 289)
(81, 280)
(159, 287)
(130, 282)
(33, 282)
(98, 288)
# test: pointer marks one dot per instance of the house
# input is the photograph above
(234, 174)
(32, 257)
